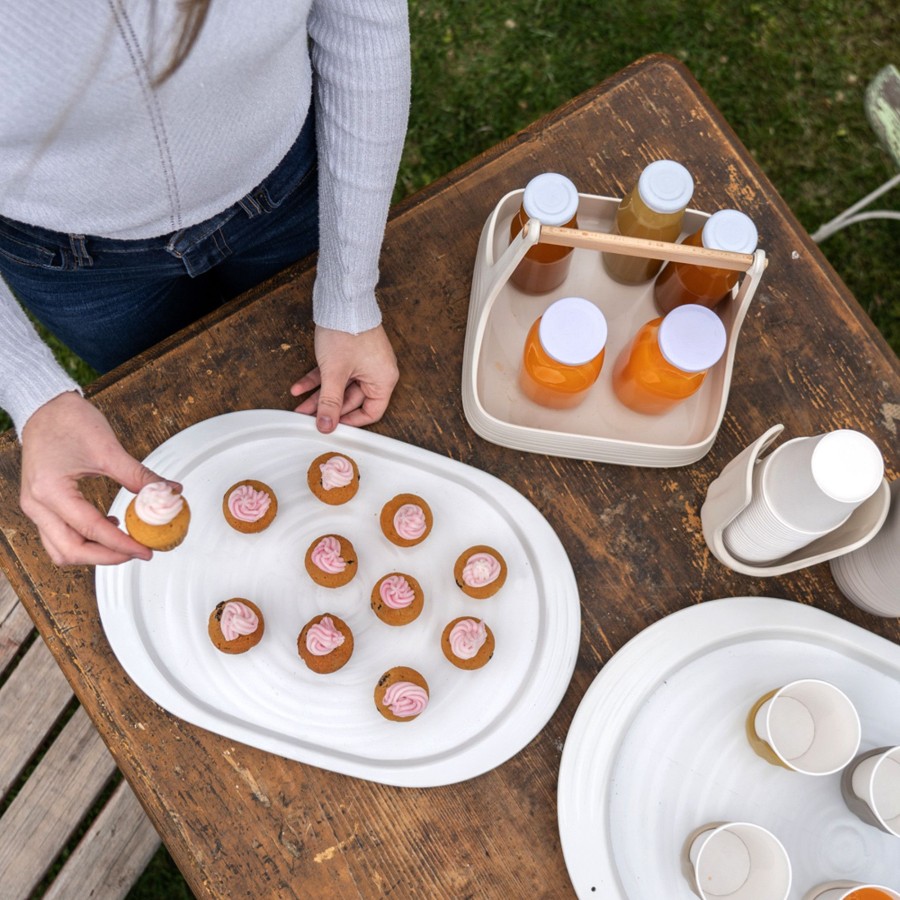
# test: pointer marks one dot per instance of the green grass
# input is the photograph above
(789, 78)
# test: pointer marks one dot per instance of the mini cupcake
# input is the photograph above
(158, 517)
(467, 643)
(325, 643)
(236, 625)
(397, 599)
(249, 506)
(331, 561)
(406, 520)
(401, 694)
(480, 572)
(333, 478)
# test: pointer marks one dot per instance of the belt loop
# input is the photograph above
(78, 245)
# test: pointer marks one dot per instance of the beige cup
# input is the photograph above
(871, 788)
(739, 861)
(808, 726)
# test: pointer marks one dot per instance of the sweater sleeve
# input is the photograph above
(361, 62)
(29, 375)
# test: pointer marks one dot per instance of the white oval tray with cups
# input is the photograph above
(600, 428)
(155, 614)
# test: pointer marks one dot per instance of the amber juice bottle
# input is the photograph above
(552, 199)
(667, 360)
(563, 353)
(681, 283)
(654, 210)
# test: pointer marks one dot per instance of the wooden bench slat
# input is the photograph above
(8, 598)
(51, 804)
(31, 701)
(112, 855)
(15, 628)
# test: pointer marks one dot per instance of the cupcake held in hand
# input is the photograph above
(325, 644)
(236, 625)
(158, 517)
(249, 506)
(333, 478)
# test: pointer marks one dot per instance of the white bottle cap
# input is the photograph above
(730, 230)
(666, 186)
(550, 198)
(572, 331)
(847, 466)
(692, 338)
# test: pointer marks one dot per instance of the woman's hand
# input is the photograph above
(354, 379)
(66, 439)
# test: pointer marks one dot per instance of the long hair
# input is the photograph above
(193, 15)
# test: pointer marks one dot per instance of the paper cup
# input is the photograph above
(739, 861)
(870, 575)
(808, 726)
(871, 787)
(851, 890)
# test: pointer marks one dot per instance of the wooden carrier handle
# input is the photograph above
(630, 246)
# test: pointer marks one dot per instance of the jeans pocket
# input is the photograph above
(26, 246)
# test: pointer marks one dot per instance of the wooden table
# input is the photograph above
(241, 823)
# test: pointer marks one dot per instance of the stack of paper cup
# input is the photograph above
(870, 576)
(803, 490)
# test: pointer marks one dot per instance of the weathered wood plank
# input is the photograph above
(112, 855)
(51, 804)
(15, 628)
(31, 702)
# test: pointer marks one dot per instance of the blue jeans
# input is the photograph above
(108, 299)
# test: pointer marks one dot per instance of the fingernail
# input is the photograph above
(324, 423)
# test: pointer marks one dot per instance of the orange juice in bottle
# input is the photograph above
(563, 353)
(681, 283)
(668, 358)
(654, 210)
(552, 199)
(867, 892)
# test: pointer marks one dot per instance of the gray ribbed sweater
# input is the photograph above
(88, 147)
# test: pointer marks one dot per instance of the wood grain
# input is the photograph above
(241, 823)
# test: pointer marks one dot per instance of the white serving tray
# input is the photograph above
(657, 748)
(601, 428)
(731, 493)
(155, 614)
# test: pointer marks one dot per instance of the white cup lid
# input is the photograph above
(731, 230)
(666, 186)
(692, 338)
(847, 466)
(572, 331)
(550, 198)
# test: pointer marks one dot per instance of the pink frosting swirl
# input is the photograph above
(237, 618)
(326, 555)
(409, 522)
(480, 569)
(337, 472)
(157, 503)
(396, 592)
(247, 504)
(323, 637)
(403, 699)
(467, 637)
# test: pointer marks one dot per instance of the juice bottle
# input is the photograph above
(668, 358)
(681, 283)
(654, 210)
(563, 353)
(552, 199)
